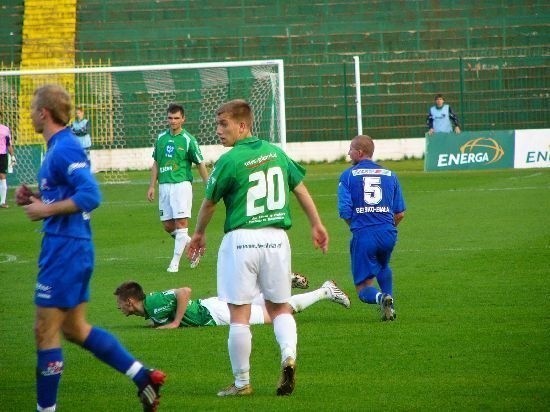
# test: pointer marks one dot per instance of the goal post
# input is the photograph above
(126, 107)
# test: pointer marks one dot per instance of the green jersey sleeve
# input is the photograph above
(161, 308)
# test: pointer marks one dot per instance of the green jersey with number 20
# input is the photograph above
(254, 179)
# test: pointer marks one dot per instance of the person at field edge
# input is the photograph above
(81, 128)
(5, 148)
(441, 118)
(174, 152)
(254, 179)
(67, 195)
(174, 308)
(371, 202)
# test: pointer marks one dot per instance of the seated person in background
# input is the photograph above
(441, 118)
(174, 308)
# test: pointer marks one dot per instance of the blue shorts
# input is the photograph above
(370, 252)
(65, 268)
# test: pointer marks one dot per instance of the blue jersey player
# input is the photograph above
(67, 195)
(371, 203)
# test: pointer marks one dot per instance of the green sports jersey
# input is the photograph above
(174, 155)
(160, 307)
(254, 179)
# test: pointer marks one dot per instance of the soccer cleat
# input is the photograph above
(150, 393)
(386, 307)
(299, 281)
(4, 206)
(173, 268)
(288, 377)
(232, 390)
(336, 294)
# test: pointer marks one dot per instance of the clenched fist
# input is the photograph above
(23, 195)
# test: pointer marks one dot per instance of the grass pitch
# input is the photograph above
(471, 289)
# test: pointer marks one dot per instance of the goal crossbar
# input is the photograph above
(127, 103)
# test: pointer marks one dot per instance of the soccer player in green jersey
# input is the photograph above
(254, 180)
(174, 308)
(175, 151)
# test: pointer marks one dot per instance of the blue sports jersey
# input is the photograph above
(369, 196)
(65, 173)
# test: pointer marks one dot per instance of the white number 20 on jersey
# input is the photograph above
(268, 191)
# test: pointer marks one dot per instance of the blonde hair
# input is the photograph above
(56, 100)
(238, 110)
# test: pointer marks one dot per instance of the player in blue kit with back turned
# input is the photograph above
(67, 194)
(371, 202)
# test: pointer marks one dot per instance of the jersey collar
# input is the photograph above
(247, 140)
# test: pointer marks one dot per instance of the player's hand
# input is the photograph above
(196, 246)
(171, 325)
(36, 209)
(320, 237)
(23, 194)
(151, 194)
(13, 161)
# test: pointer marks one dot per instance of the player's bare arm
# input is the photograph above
(319, 233)
(198, 240)
(182, 296)
(203, 172)
(153, 181)
(37, 210)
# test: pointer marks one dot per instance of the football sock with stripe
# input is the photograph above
(108, 349)
(369, 294)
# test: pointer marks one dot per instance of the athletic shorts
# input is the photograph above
(220, 312)
(370, 252)
(4, 163)
(65, 268)
(175, 200)
(251, 261)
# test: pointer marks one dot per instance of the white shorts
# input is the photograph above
(220, 312)
(175, 200)
(251, 261)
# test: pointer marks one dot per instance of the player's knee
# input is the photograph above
(76, 333)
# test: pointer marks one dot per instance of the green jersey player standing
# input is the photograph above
(254, 179)
(175, 151)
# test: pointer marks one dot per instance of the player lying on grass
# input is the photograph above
(174, 308)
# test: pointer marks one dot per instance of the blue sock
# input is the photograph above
(368, 294)
(385, 281)
(48, 374)
(108, 349)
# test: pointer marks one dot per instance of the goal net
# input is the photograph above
(126, 108)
